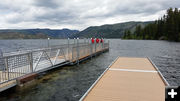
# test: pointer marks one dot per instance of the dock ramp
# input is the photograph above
(128, 79)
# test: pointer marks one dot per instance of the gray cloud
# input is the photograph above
(79, 14)
(46, 3)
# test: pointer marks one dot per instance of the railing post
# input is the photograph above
(95, 47)
(74, 42)
(48, 42)
(7, 68)
(88, 41)
(72, 54)
(84, 48)
(84, 40)
(91, 48)
(68, 50)
(103, 43)
(77, 51)
(30, 58)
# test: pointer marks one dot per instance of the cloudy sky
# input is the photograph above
(78, 14)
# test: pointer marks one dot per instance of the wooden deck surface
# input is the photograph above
(128, 79)
(7, 85)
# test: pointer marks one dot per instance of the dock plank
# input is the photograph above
(120, 85)
(133, 63)
(7, 85)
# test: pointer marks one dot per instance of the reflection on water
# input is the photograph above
(71, 82)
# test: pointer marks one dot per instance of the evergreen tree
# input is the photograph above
(138, 32)
(167, 27)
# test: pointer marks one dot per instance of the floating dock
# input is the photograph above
(17, 68)
(128, 79)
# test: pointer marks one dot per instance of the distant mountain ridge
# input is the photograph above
(106, 31)
(40, 33)
(109, 30)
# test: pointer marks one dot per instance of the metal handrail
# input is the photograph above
(25, 62)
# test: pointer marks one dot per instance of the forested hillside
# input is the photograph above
(36, 33)
(109, 31)
(165, 28)
(15, 35)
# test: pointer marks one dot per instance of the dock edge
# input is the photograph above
(81, 99)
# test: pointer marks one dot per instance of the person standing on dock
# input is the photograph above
(97, 40)
(92, 40)
(101, 41)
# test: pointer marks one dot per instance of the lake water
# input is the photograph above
(69, 83)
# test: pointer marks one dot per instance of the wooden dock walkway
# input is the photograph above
(128, 79)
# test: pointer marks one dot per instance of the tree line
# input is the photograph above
(19, 35)
(165, 28)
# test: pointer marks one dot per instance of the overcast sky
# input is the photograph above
(78, 14)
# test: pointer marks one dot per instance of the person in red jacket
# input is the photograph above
(97, 40)
(102, 40)
(92, 40)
